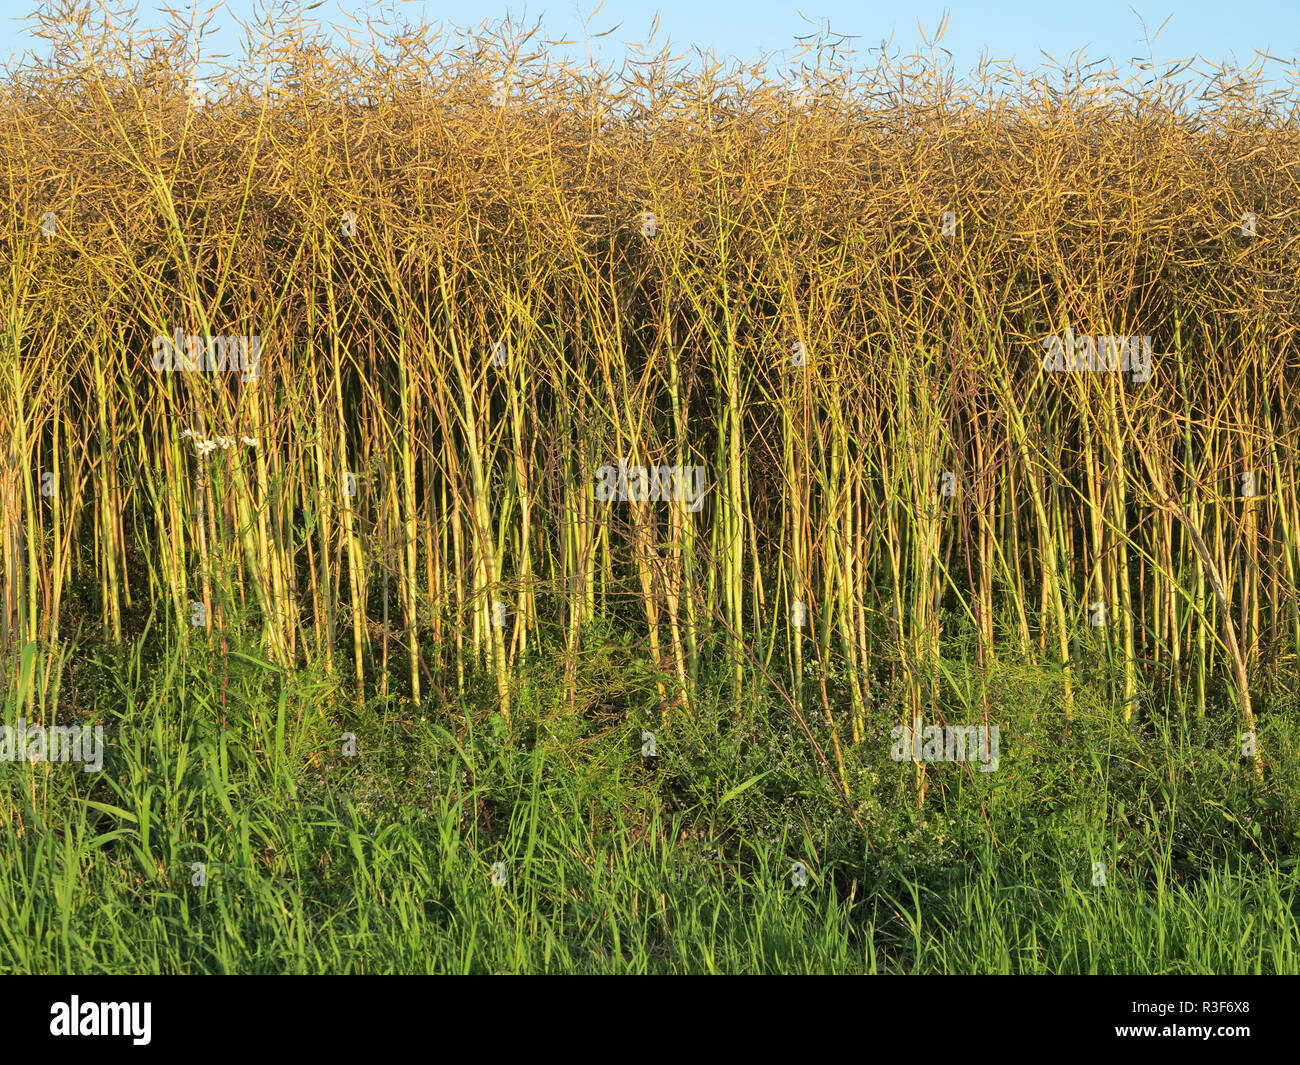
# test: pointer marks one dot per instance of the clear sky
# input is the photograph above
(1216, 30)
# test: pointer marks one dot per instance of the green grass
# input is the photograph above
(382, 862)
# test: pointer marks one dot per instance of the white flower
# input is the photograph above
(187, 432)
(224, 441)
(205, 446)
(248, 440)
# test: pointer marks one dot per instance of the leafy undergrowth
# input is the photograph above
(453, 844)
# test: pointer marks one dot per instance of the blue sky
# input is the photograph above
(1013, 29)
